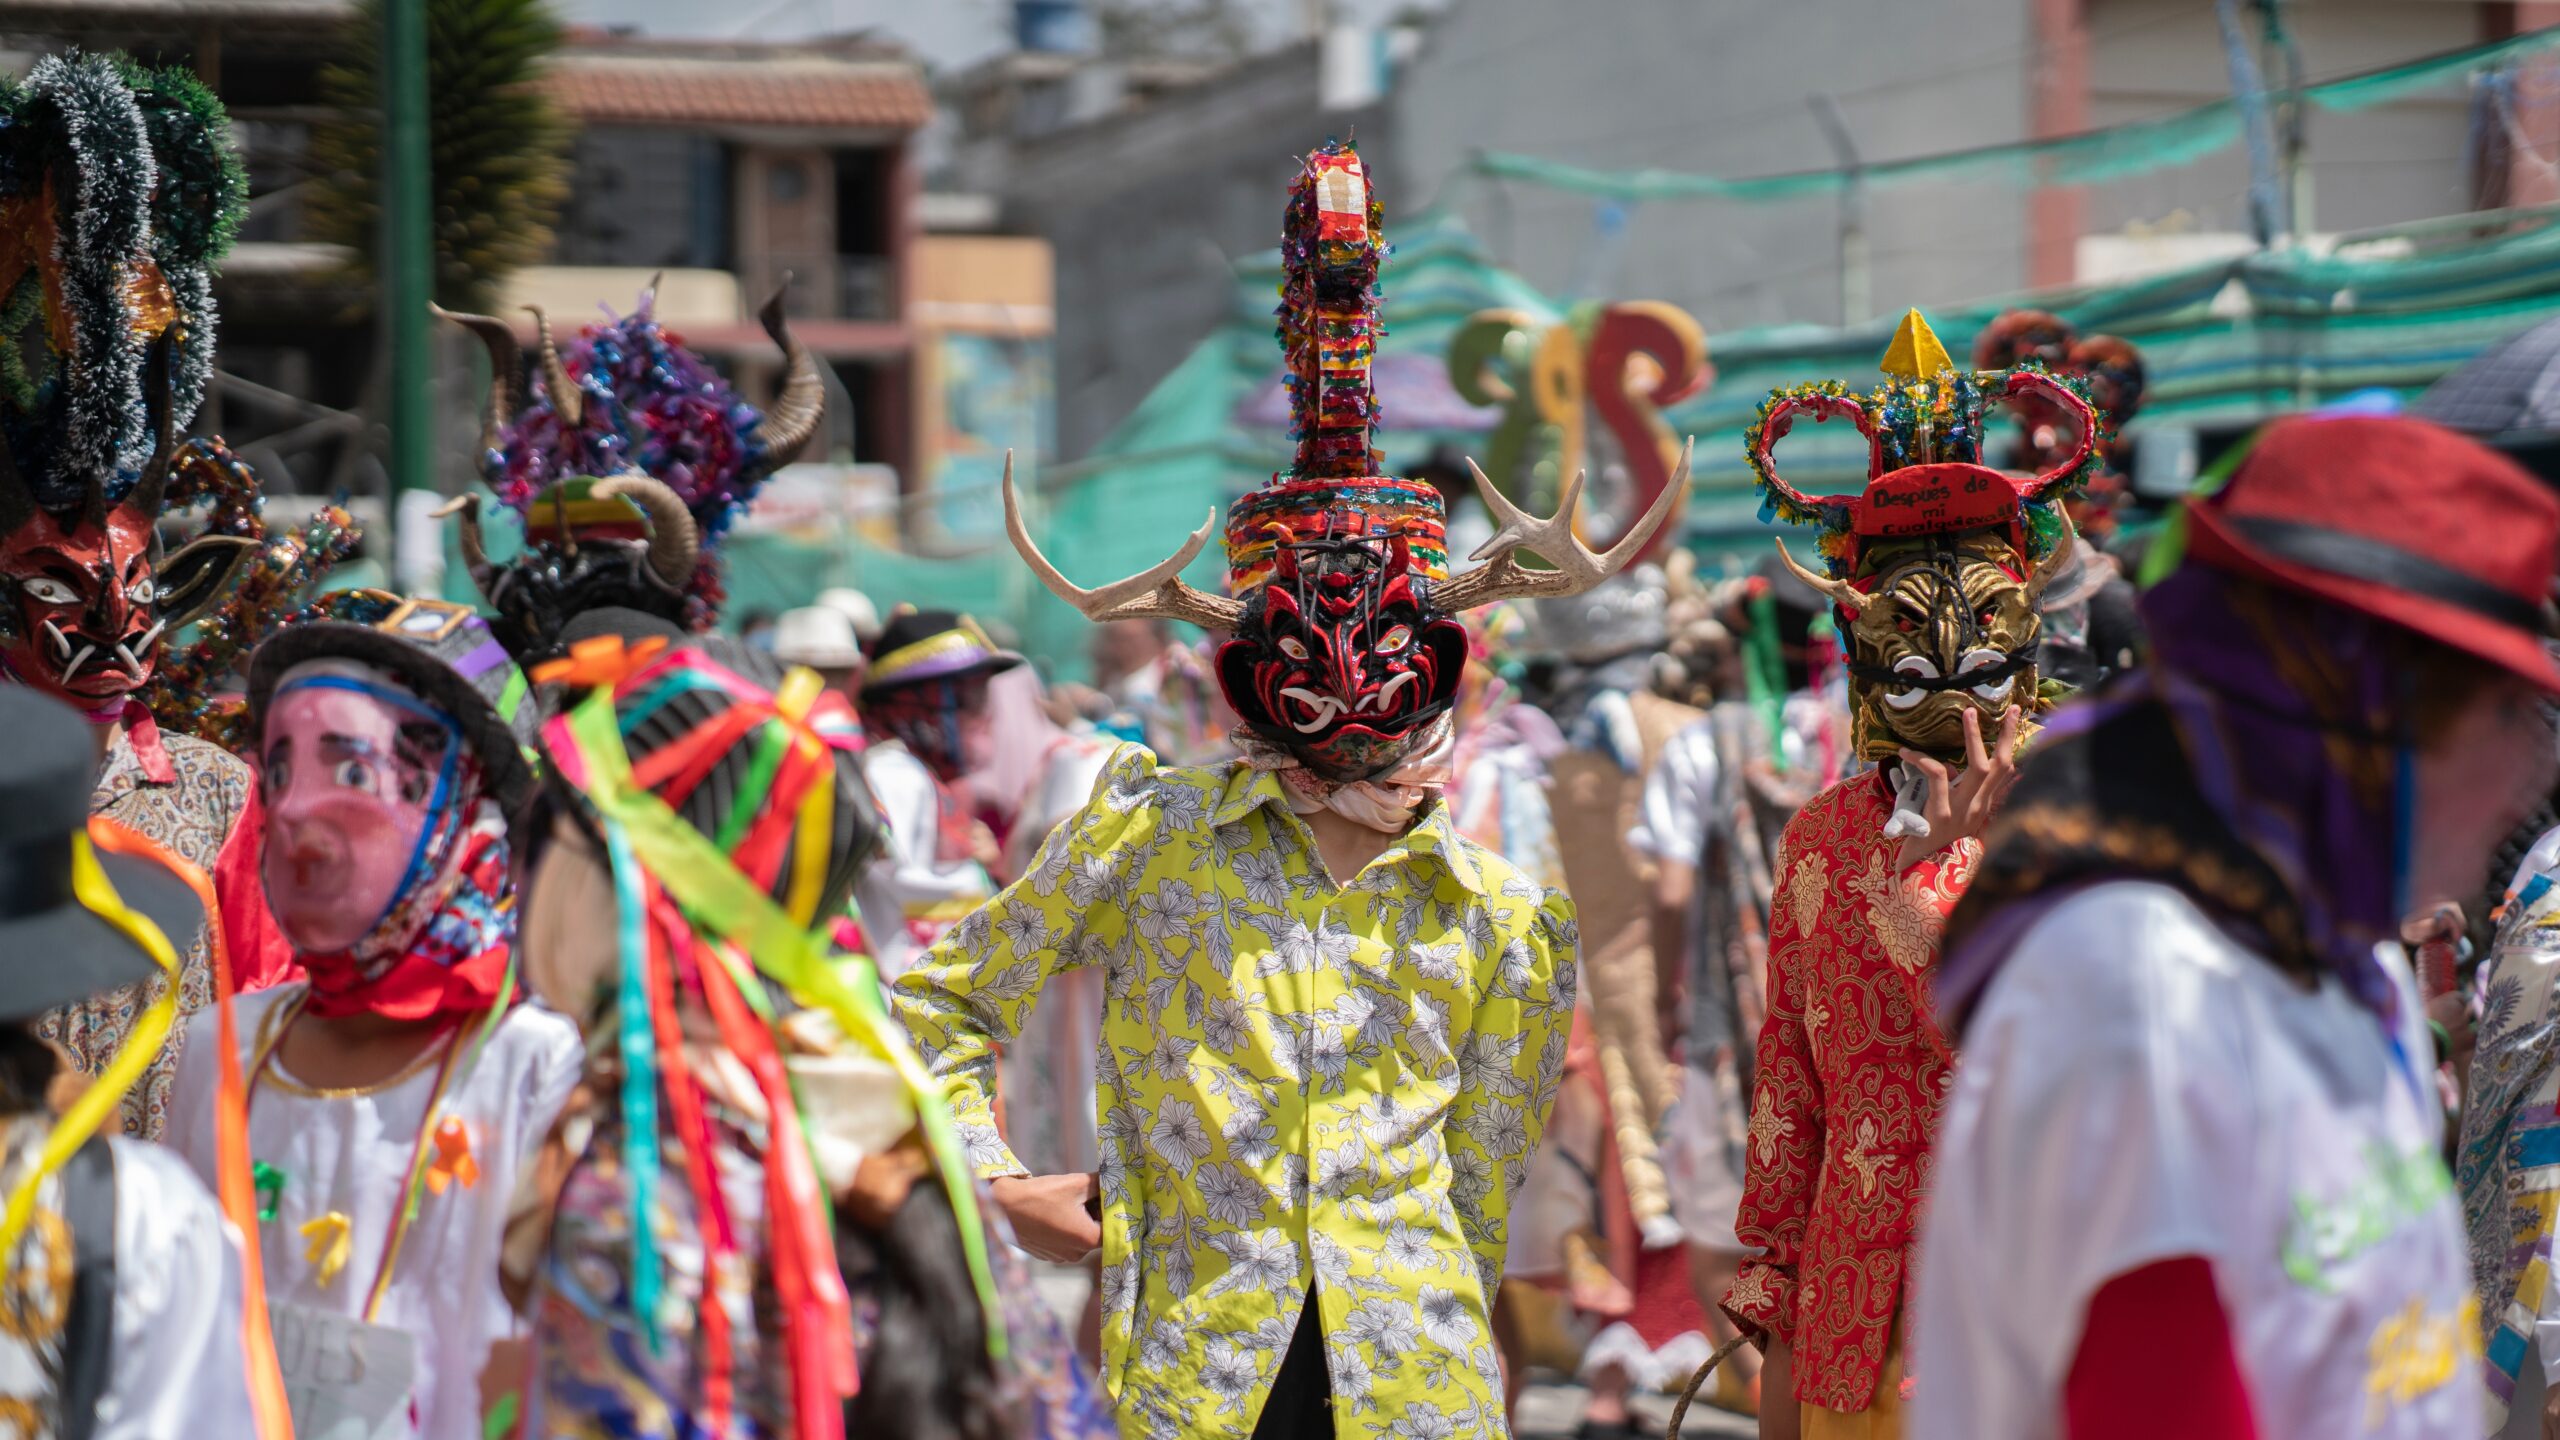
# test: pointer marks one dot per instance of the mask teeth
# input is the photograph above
(61, 646)
(132, 666)
(72, 667)
(151, 634)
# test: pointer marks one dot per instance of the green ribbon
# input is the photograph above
(718, 897)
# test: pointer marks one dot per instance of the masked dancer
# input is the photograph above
(1932, 573)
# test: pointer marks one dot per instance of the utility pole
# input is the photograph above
(408, 265)
(2249, 92)
(1854, 304)
(2293, 140)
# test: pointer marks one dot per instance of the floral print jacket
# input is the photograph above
(1300, 1084)
(1851, 1072)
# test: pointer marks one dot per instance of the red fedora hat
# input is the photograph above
(2398, 519)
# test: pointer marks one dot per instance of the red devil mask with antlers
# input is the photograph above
(1344, 648)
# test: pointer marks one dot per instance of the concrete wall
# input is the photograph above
(1147, 212)
(1721, 87)
(2400, 161)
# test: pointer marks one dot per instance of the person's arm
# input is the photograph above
(260, 955)
(1783, 1161)
(2164, 1320)
(1671, 829)
(975, 989)
(1510, 1061)
(926, 883)
(178, 1367)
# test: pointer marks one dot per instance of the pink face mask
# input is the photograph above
(356, 775)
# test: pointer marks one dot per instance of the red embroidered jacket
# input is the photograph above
(1851, 1070)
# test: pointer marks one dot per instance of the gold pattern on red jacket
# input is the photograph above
(1851, 1070)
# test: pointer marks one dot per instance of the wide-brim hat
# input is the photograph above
(917, 646)
(444, 653)
(816, 635)
(55, 951)
(2398, 519)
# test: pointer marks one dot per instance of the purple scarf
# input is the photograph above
(2291, 715)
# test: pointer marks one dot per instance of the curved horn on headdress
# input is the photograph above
(1155, 593)
(475, 555)
(1838, 592)
(792, 421)
(506, 364)
(1777, 417)
(1503, 577)
(2021, 382)
(567, 400)
(675, 546)
(2050, 568)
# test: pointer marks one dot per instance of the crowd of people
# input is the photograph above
(1927, 987)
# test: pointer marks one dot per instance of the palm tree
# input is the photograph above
(496, 145)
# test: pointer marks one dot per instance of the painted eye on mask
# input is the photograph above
(355, 775)
(51, 592)
(141, 592)
(1292, 647)
(1395, 640)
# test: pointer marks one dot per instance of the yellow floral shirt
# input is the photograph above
(1299, 1083)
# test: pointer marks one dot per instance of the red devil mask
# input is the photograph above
(1341, 658)
(87, 604)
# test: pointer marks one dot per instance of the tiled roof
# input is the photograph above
(803, 91)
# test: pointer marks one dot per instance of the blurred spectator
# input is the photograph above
(755, 629)
(856, 608)
(924, 704)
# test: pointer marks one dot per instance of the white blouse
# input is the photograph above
(349, 1154)
(2137, 1087)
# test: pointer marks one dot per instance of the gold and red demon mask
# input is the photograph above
(1933, 569)
(1344, 646)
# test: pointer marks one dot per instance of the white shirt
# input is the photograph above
(2137, 1087)
(908, 893)
(177, 1370)
(349, 1155)
(1671, 815)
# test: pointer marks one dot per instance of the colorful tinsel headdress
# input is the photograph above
(118, 191)
(1333, 493)
(631, 461)
(1925, 471)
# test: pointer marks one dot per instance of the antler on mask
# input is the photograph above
(1503, 577)
(1158, 592)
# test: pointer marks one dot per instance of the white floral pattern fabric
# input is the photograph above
(1299, 1083)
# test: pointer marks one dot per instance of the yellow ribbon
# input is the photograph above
(96, 893)
(815, 826)
(329, 1244)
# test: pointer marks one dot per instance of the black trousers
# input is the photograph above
(1301, 1403)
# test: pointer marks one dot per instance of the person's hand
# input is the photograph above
(982, 845)
(2550, 1407)
(2453, 1012)
(1780, 1417)
(1052, 1215)
(1960, 806)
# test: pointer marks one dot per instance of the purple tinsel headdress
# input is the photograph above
(629, 404)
